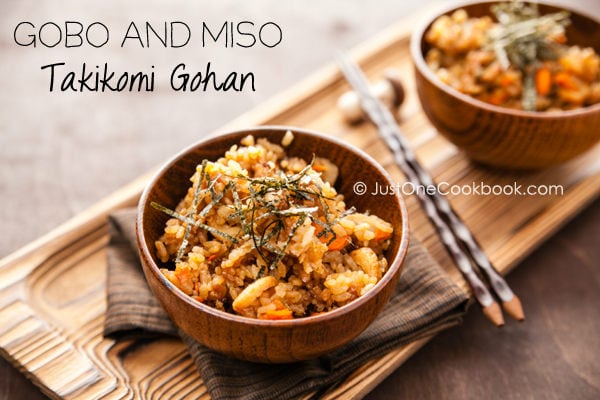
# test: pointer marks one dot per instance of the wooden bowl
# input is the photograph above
(501, 136)
(263, 340)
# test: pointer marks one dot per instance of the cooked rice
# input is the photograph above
(321, 257)
(461, 57)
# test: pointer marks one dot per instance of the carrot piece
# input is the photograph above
(184, 276)
(319, 228)
(286, 313)
(560, 39)
(319, 168)
(565, 81)
(498, 97)
(212, 257)
(506, 80)
(543, 81)
(381, 235)
(338, 243)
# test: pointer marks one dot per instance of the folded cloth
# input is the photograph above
(426, 301)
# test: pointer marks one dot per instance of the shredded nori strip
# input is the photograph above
(523, 39)
(190, 213)
(278, 197)
(281, 253)
(200, 225)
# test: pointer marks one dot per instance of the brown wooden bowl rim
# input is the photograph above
(419, 61)
(394, 268)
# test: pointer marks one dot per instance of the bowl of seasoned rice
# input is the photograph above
(258, 246)
(512, 84)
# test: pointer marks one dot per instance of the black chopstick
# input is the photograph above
(436, 206)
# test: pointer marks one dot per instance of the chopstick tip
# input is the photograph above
(514, 308)
(494, 314)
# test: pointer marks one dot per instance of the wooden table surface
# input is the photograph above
(59, 153)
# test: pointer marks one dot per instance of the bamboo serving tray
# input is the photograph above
(52, 292)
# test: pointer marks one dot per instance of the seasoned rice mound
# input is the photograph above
(264, 235)
(462, 55)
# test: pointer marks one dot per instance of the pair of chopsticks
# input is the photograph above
(455, 235)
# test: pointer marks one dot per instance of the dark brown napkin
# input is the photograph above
(426, 301)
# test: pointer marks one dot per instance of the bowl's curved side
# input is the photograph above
(500, 136)
(504, 139)
(269, 343)
(272, 341)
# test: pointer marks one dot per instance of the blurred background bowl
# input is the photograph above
(501, 136)
(263, 340)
